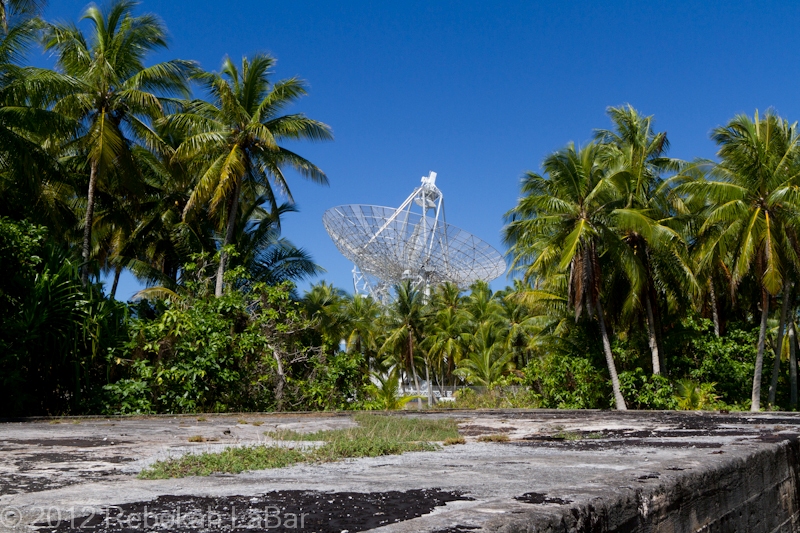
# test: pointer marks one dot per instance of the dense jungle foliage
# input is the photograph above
(640, 281)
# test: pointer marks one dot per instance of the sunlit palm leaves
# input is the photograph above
(116, 97)
(237, 134)
(752, 200)
(562, 224)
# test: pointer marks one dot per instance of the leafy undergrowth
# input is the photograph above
(374, 436)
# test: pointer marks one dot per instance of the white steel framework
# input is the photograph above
(412, 242)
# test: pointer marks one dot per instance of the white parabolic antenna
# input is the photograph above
(411, 242)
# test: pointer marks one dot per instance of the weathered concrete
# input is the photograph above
(634, 471)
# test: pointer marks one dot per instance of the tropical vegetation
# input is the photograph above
(638, 281)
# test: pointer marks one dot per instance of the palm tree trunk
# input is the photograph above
(792, 365)
(228, 238)
(714, 311)
(651, 330)
(430, 386)
(117, 272)
(755, 398)
(619, 400)
(88, 219)
(411, 360)
(776, 366)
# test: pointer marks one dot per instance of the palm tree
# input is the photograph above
(636, 156)
(362, 330)
(520, 323)
(33, 183)
(116, 97)
(447, 323)
(405, 327)
(236, 134)
(324, 303)
(561, 225)
(487, 361)
(753, 197)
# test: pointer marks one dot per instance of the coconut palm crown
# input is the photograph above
(237, 133)
(116, 97)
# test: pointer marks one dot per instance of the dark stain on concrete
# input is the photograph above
(538, 498)
(274, 511)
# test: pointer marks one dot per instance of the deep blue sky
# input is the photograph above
(482, 91)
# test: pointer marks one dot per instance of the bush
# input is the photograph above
(56, 334)
(240, 352)
(646, 391)
(567, 382)
(697, 354)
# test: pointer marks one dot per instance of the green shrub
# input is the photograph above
(646, 391)
(567, 382)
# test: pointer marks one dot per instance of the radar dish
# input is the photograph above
(412, 242)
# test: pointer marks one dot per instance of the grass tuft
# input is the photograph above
(366, 447)
(454, 440)
(230, 460)
(493, 438)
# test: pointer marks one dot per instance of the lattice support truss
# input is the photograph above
(412, 242)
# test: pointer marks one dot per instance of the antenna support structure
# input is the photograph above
(412, 242)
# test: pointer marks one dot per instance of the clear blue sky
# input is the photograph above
(482, 91)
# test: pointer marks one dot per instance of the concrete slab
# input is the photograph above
(562, 470)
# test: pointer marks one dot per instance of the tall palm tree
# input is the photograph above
(116, 97)
(561, 225)
(236, 134)
(754, 197)
(636, 157)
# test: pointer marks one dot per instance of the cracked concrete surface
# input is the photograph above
(556, 467)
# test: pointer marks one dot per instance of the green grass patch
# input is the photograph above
(493, 438)
(375, 435)
(346, 448)
(230, 460)
(380, 427)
